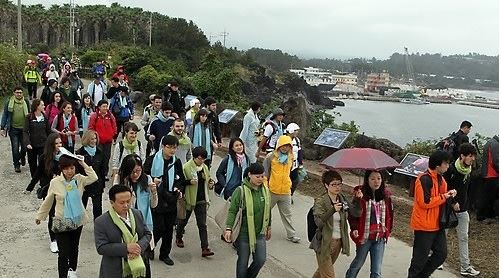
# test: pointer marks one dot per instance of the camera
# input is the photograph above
(345, 207)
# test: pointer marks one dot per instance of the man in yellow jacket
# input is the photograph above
(277, 169)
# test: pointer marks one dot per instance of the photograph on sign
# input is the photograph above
(187, 100)
(332, 138)
(413, 165)
(226, 116)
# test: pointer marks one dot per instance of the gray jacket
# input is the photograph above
(109, 243)
(493, 146)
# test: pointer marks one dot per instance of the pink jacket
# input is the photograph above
(51, 111)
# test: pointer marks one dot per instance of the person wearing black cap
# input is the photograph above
(173, 95)
(273, 129)
(122, 108)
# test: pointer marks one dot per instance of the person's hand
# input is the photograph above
(211, 184)
(258, 154)
(174, 115)
(114, 172)
(455, 207)
(227, 236)
(219, 145)
(451, 193)
(338, 206)
(134, 249)
(37, 221)
(268, 233)
(153, 187)
(82, 162)
(358, 193)
(152, 137)
(29, 147)
(355, 233)
(179, 193)
(215, 146)
(157, 181)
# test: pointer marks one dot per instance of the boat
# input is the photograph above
(414, 101)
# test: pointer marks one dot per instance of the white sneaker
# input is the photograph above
(440, 267)
(470, 271)
(72, 274)
(294, 239)
(53, 247)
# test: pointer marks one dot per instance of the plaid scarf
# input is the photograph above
(379, 233)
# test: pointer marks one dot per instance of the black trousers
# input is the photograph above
(52, 212)
(201, 217)
(295, 180)
(97, 202)
(120, 127)
(106, 157)
(67, 258)
(163, 228)
(33, 156)
(32, 89)
(488, 198)
(423, 265)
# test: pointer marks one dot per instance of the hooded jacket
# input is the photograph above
(278, 174)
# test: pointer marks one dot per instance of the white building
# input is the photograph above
(316, 76)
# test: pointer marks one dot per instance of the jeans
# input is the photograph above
(462, 234)
(244, 270)
(201, 216)
(17, 146)
(284, 207)
(423, 265)
(97, 202)
(326, 265)
(376, 248)
(163, 228)
(67, 258)
(33, 156)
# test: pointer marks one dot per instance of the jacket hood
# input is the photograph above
(283, 140)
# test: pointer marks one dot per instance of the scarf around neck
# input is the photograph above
(463, 170)
(143, 204)
(131, 147)
(157, 169)
(161, 117)
(130, 267)
(90, 150)
(230, 167)
(72, 202)
(190, 170)
(184, 140)
(13, 100)
(283, 157)
(201, 137)
(249, 209)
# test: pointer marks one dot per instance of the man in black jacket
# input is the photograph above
(211, 105)
(167, 172)
(173, 95)
(459, 178)
(461, 137)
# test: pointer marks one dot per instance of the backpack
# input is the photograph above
(311, 225)
(268, 140)
(121, 148)
(448, 143)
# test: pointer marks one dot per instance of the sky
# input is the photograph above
(338, 28)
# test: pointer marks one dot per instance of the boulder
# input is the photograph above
(382, 144)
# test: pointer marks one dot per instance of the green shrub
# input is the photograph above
(12, 64)
(90, 57)
(422, 147)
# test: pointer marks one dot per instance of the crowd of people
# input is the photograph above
(156, 188)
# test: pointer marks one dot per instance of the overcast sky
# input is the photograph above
(341, 29)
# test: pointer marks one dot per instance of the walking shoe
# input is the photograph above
(23, 161)
(207, 253)
(72, 274)
(440, 267)
(294, 239)
(53, 247)
(167, 260)
(470, 271)
(180, 242)
(17, 169)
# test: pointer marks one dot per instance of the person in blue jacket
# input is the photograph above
(161, 125)
(122, 108)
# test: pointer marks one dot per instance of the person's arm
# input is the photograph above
(322, 212)
(352, 219)
(153, 194)
(245, 129)
(26, 131)
(44, 209)
(221, 171)
(113, 123)
(181, 183)
(5, 115)
(422, 193)
(232, 211)
(144, 241)
(92, 121)
(300, 155)
(189, 154)
(217, 129)
(54, 125)
(103, 245)
(90, 175)
(115, 161)
(267, 165)
(145, 119)
(131, 107)
(148, 164)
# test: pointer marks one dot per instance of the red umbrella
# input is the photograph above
(360, 158)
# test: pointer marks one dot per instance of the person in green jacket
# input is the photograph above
(255, 223)
(330, 212)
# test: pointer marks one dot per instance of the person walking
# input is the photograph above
(330, 214)
(292, 130)
(48, 90)
(167, 172)
(190, 115)
(35, 132)
(430, 194)
(149, 114)
(184, 149)
(273, 129)
(94, 157)
(213, 119)
(255, 227)
(65, 191)
(83, 114)
(66, 124)
(69, 94)
(129, 145)
(97, 89)
(197, 198)
(201, 135)
(161, 126)
(103, 122)
(489, 194)
(250, 131)
(230, 172)
(122, 108)
(54, 107)
(32, 78)
(459, 179)
(14, 115)
(277, 168)
(371, 230)
(173, 95)
(122, 237)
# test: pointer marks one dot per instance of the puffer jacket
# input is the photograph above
(278, 174)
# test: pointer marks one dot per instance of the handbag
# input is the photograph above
(42, 191)
(60, 225)
(181, 208)
(448, 217)
(222, 216)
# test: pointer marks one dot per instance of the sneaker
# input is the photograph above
(470, 271)
(294, 239)
(440, 267)
(180, 242)
(207, 253)
(53, 247)
(17, 169)
(23, 161)
(72, 274)
(167, 260)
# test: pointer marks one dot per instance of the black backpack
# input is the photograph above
(448, 143)
(311, 225)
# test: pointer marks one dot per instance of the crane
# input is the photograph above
(410, 70)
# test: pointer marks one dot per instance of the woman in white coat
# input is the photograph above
(250, 131)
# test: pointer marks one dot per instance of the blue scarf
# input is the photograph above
(157, 169)
(58, 156)
(230, 167)
(143, 204)
(66, 122)
(90, 150)
(283, 157)
(197, 139)
(161, 117)
(85, 118)
(72, 202)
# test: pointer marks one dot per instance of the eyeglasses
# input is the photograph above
(335, 184)
(18, 92)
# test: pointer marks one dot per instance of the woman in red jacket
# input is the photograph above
(371, 230)
(65, 123)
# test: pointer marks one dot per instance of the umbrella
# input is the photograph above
(360, 158)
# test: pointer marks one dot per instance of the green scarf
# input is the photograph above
(130, 267)
(184, 140)
(190, 191)
(463, 170)
(129, 146)
(11, 105)
(249, 208)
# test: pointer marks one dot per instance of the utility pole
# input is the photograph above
(72, 23)
(224, 34)
(19, 26)
(151, 19)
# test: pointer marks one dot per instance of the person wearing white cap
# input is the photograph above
(250, 131)
(292, 131)
(190, 115)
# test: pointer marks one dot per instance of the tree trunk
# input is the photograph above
(96, 32)
(45, 32)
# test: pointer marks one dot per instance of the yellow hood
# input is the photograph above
(283, 140)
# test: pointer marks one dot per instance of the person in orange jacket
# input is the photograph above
(430, 194)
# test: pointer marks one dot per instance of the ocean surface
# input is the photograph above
(401, 123)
